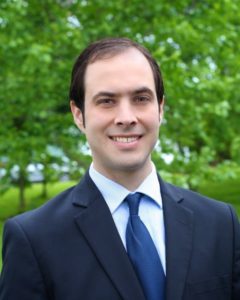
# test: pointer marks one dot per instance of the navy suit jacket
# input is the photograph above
(70, 249)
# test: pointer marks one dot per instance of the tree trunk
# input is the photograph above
(44, 189)
(21, 185)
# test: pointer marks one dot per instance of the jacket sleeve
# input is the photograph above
(236, 257)
(21, 277)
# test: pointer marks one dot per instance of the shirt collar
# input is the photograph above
(114, 193)
(151, 187)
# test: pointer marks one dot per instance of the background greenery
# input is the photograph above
(197, 46)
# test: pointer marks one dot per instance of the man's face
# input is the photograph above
(121, 114)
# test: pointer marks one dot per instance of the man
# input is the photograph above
(80, 245)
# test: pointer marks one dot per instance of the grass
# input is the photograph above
(1, 228)
(227, 191)
(9, 201)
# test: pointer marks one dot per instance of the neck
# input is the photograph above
(130, 179)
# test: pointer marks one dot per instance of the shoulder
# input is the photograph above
(201, 205)
(43, 219)
(49, 208)
(58, 211)
(210, 218)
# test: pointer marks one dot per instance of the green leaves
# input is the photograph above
(195, 43)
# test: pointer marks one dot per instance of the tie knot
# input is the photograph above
(133, 201)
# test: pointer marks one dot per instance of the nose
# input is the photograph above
(126, 115)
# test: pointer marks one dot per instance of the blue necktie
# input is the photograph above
(143, 253)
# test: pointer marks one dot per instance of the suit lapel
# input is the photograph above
(97, 226)
(179, 233)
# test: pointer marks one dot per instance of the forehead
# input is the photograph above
(121, 70)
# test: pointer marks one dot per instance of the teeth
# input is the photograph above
(125, 139)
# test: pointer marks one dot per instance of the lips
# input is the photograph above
(125, 139)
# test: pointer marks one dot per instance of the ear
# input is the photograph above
(161, 110)
(77, 116)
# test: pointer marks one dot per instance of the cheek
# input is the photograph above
(94, 127)
(98, 123)
(154, 121)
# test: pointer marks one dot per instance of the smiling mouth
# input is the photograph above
(124, 139)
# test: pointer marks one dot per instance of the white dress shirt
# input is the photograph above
(150, 210)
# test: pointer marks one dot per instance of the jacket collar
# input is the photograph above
(96, 224)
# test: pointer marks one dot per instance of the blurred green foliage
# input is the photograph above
(198, 49)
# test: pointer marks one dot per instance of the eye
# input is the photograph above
(105, 101)
(142, 98)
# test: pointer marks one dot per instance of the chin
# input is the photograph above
(132, 166)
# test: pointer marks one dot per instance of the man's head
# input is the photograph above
(117, 102)
(103, 49)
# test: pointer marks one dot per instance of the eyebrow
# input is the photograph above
(140, 90)
(143, 90)
(104, 94)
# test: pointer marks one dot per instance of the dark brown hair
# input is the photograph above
(107, 48)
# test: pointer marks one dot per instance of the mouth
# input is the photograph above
(125, 139)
